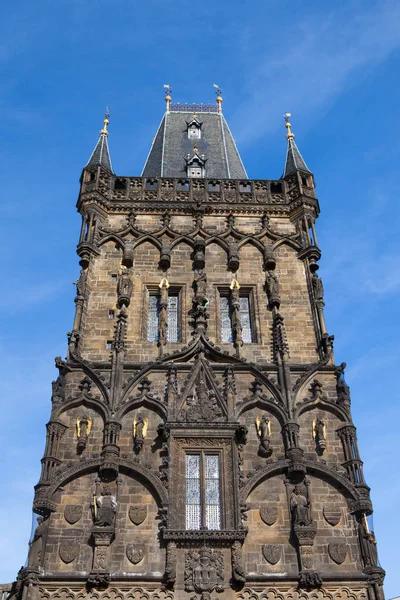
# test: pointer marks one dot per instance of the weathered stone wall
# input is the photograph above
(98, 329)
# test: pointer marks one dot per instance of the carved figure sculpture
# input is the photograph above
(343, 393)
(199, 253)
(140, 425)
(272, 288)
(263, 427)
(200, 281)
(300, 508)
(105, 508)
(318, 288)
(81, 283)
(236, 322)
(124, 289)
(327, 343)
(83, 427)
(319, 434)
(368, 546)
(36, 544)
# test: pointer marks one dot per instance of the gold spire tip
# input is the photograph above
(195, 148)
(288, 125)
(219, 94)
(106, 122)
(168, 92)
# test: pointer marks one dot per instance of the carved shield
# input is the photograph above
(135, 553)
(137, 514)
(68, 550)
(332, 515)
(269, 514)
(272, 553)
(72, 513)
(338, 552)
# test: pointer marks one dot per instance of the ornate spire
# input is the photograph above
(219, 97)
(101, 154)
(294, 160)
(168, 98)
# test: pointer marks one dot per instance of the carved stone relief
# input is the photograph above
(204, 571)
(73, 513)
(68, 550)
(332, 515)
(135, 552)
(269, 514)
(137, 514)
(272, 553)
(338, 551)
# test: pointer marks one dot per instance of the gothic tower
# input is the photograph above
(200, 443)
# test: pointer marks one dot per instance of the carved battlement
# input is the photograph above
(227, 191)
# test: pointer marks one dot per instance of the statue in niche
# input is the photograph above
(272, 288)
(318, 288)
(200, 280)
(104, 506)
(300, 508)
(37, 542)
(124, 288)
(319, 434)
(368, 545)
(263, 427)
(140, 425)
(81, 283)
(83, 427)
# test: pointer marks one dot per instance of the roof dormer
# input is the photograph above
(195, 164)
(194, 128)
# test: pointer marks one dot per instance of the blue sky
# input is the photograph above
(334, 66)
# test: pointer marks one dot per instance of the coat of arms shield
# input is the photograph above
(337, 551)
(135, 553)
(137, 514)
(68, 550)
(272, 553)
(332, 515)
(72, 513)
(269, 514)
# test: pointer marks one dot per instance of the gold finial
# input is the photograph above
(234, 284)
(288, 125)
(168, 98)
(219, 97)
(195, 148)
(106, 122)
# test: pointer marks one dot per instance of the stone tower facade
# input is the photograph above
(200, 443)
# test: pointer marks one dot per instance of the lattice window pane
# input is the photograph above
(245, 319)
(193, 496)
(226, 322)
(212, 492)
(152, 319)
(173, 308)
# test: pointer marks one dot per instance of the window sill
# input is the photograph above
(200, 535)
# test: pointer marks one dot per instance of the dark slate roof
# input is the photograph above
(294, 160)
(101, 154)
(171, 147)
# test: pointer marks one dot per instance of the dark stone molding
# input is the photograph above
(89, 466)
(312, 467)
